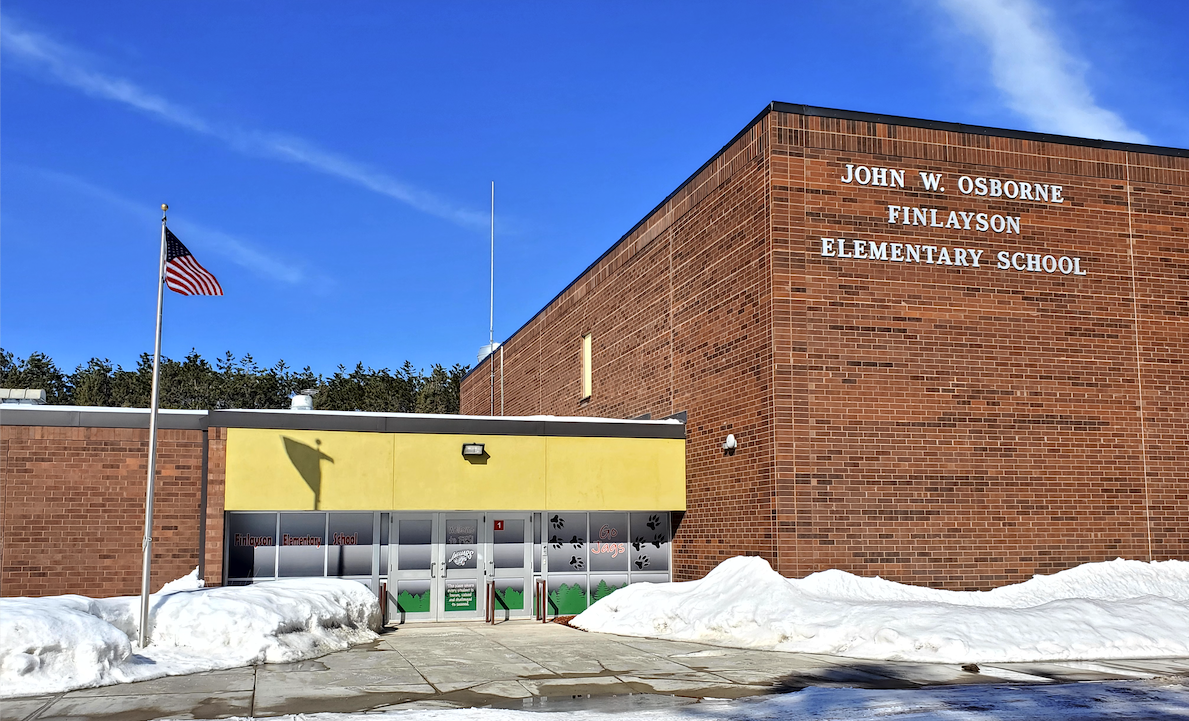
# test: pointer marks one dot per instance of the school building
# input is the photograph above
(948, 355)
(433, 512)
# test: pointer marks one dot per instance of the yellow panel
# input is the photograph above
(623, 474)
(431, 473)
(281, 470)
(342, 470)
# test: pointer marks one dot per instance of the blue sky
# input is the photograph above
(331, 162)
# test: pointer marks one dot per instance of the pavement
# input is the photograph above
(533, 666)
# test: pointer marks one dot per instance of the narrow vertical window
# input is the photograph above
(586, 366)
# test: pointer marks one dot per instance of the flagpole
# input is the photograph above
(147, 543)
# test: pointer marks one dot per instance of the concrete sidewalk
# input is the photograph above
(529, 665)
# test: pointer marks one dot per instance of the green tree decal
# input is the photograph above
(604, 590)
(509, 599)
(568, 599)
(408, 603)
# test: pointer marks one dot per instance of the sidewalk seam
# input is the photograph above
(42, 708)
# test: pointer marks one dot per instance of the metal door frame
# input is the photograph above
(524, 573)
(396, 575)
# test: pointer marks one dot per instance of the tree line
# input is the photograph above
(195, 384)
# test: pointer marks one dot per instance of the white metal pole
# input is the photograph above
(491, 317)
(147, 543)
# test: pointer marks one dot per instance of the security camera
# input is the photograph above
(729, 445)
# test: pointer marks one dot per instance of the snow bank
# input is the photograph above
(66, 642)
(1118, 609)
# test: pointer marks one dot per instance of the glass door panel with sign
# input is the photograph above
(463, 566)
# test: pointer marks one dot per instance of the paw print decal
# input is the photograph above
(654, 521)
(641, 562)
(658, 539)
(639, 542)
(556, 541)
(557, 521)
(576, 562)
(577, 541)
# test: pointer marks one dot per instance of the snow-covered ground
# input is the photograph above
(67, 642)
(1111, 610)
(1148, 700)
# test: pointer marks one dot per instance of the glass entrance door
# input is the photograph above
(438, 566)
(463, 565)
(511, 563)
(414, 567)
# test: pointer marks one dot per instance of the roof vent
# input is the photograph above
(23, 396)
(303, 401)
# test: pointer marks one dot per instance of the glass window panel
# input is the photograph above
(413, 544)
(509, 530)
(567, 541)
(610, 543)
(303, 545)
(384, 533)
(537, 542)
(508, 540)
(349, 552)
(650, 541)
(462, 539)
(252, 545)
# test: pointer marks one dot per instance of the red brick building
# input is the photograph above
(951, 355)
(73, 500)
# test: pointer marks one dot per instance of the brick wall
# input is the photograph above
(216, 494)
(967, 427)
(73, 509)
(677, 312)
(939, 425)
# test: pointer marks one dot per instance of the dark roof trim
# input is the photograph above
(97, 418)
(814, 111)
(454, 425)
(58, 416)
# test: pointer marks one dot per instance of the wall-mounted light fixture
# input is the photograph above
(729, 445)
(472, 449)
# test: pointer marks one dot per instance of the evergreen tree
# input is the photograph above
(36, 372)
(195, 384)
(93, 383)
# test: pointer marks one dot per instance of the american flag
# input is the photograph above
(183, 273)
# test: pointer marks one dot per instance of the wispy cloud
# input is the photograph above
(198, 237)
(69, 67)
(1039, 78)
(239, 251)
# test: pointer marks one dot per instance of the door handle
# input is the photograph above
(432, 568)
